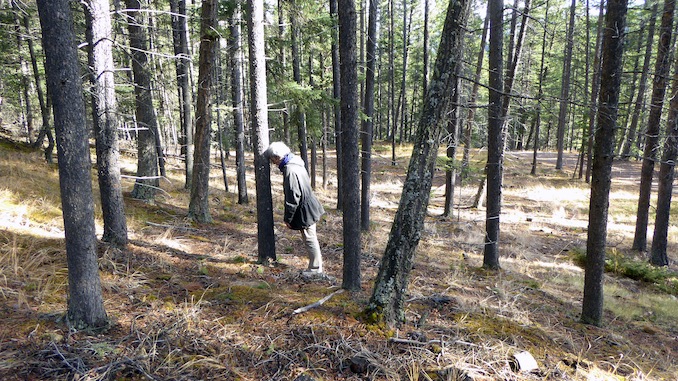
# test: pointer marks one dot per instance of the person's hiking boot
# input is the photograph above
(312, 273)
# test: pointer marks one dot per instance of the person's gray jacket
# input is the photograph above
(302, 208)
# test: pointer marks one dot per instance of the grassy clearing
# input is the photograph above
(188, 301)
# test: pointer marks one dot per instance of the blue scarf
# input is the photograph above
(285, 160)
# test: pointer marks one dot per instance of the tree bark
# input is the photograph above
(368, 121)
(391, 80)
(237, 94)
(495, 137)
(470, 118)
(612, 50)
(147, 168)
(349, 144)
(587, 68)
(24, 80)
(336, 93)
(425, 48)
(85, 301)
(388, 296)
(543, 70)
(299, 112)
(183, 67)
(595, 90)
(640, 97)
(199, 208)
(658, 256)
(45, 103)
(259, 118)
(105, 119)
(565, 88)
(662, 66)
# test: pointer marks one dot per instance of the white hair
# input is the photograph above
(276, 150)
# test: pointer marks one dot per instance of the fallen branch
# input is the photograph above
(414, 342)
(318, 303)
(172, 227)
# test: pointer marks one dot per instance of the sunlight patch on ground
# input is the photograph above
(17, 216)
(556, 195)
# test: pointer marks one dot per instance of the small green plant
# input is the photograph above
(616, 263)
(239, 259)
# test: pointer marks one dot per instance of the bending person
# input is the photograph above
(302, 208)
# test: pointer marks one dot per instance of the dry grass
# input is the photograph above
(188, 301)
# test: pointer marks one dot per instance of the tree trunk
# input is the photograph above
(336, 92)
(495, 137)
(235, 44)
(470, 118)
(105, 118)
(452, 143)
(612, 50)
(314, 145)
(283, 64)
(652, 133)
(368, 121)
(147, 168)
(402, 103)
(425, 48)
(259, 118)
(24, 80)
(183, 67)
(199, 207)
(543, 71)
(325, 124)
(640, 98)
(595, 90)
(85, 300)
(349, 144)
(513, 62)
(658, 256)
(299, 112)
(587, 68)
(45, 106)
(391, 78)
(388, 296)
(565, 88)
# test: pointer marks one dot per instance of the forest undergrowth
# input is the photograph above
(189, 302)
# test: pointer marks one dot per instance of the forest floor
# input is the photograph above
(189, 302)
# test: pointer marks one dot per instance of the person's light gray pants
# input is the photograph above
(315, 259)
